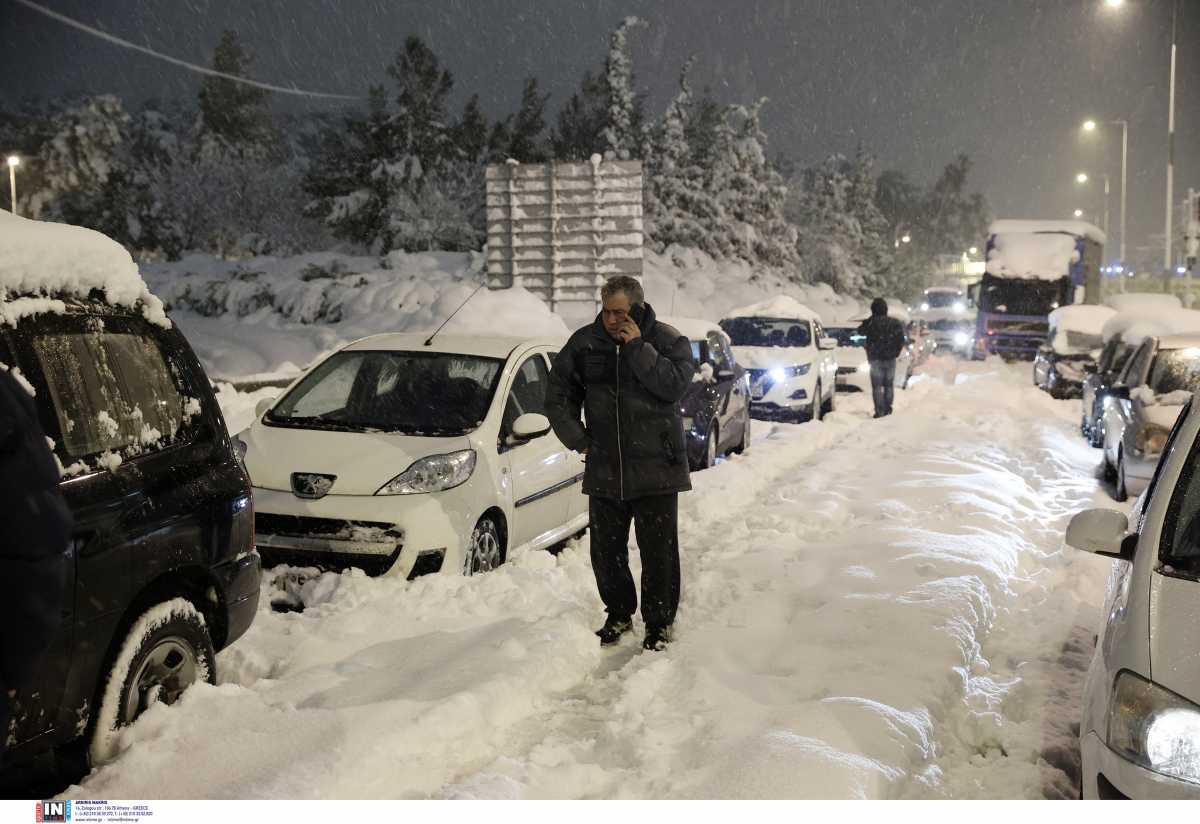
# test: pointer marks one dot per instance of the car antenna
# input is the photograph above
(455, 312)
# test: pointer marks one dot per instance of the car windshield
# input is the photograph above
(768, 332)
(1021, 297)
(419, 393)
(1174, 370)
(942, 300)
(846, 335)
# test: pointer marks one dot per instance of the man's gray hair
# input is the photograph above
(626, 284)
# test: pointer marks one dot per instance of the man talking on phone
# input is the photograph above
(625, 374)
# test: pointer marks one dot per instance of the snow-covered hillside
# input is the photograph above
(871, 608)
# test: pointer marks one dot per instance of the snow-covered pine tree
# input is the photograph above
(81, 152)
(579, 129)
(621, 131)
(875, 251)
(527, 143)
(231, 113)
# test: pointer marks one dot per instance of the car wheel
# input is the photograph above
(818, 406)
(166, 650)
(710, 446)
(1109, 471)
(831, 406)
(486, 549)
(1122, 490)
(745, 442)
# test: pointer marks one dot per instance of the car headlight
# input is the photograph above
(1154, 727)
(433, 474)
(782, 373)
(864, 367)
(960, 307)
(961, 339)
(1151, 439)
(924, 307)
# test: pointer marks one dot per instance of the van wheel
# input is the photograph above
(745, 442)
(165, 651)
(486, 550)
(818, 406)
(831, 406)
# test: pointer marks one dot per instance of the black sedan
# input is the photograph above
(1061, 374)
(716, 407)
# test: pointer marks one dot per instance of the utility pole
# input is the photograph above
(1167, 263)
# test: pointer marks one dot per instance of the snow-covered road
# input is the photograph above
(870, 609)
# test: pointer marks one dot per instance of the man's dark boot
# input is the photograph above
(657, 638)
(613, 629)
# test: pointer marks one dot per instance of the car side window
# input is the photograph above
(528, 392)
(717, 352)
(1131, 375)
(112, 392)
(1179, 544)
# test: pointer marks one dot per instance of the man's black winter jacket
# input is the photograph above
(629, 397)
(885, 337)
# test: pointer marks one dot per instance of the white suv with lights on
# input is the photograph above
(402, 456)
(793, 370)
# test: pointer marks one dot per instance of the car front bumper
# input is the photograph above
(438, 523)
(1107, 775)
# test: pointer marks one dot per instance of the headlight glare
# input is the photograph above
(961, 339)
(864, 367)
(433, 474)
(1154, 728)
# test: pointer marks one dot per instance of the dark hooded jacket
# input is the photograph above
(629, 399)
(884, 334)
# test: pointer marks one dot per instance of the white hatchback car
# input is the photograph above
(793, 371)
(1140, 734)
(401, 456)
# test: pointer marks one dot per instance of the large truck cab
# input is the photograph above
(1033, 268)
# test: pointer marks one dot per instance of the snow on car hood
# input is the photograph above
(768, 357)
(850, 356)
(363, 462)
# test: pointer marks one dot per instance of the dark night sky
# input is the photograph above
(1006, 81)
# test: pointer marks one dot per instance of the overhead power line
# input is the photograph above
(84, 27)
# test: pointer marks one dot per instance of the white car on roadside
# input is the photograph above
(854, 370)
(402, 455)
(1140, 732)
(782, 344)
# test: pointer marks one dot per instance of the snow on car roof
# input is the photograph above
(780, 306)
(1082, 318)
(1076, 228)
(1189, 340)
(1135, 326)
(40, 259)
(487, 346)
(693, 328)
(1150, 302)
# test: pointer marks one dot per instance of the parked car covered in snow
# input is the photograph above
(161, 568)
(1112, 359)
(1158, 380)
(716, 407)
(1071, 349)
(853, 369)
(410, 456)
(793, 372)
(921, 343)
(1141, 704)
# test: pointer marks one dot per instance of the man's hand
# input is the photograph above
(629, 331)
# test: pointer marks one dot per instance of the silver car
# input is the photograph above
(1143, 404)
(1140, 730)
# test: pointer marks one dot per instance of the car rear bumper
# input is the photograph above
(1107, 775)
(240, 581)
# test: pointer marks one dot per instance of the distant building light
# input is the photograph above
(1181, 270)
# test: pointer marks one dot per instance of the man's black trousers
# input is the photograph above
(655, 520)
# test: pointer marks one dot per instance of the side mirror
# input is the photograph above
(1101, 532)
(1089, 367)
(827, 343)
(262, 406)
(529, 426)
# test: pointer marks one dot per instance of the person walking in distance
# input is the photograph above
(885, 341)
(625, 373)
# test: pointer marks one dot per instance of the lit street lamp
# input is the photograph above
(974, 250)
(1090, 126)
(1078, 213)
(1083, 178)
(13, 163)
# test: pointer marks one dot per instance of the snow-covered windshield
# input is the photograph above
(1175, 370)
(767, 332)
(425, 393)
(943, 300)
(846, 335)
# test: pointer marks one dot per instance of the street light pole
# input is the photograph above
(1171, 138)
(13, 163)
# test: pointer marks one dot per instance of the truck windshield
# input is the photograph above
(943, 300)
(1020, 297)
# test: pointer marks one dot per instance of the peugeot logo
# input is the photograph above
(312, 485)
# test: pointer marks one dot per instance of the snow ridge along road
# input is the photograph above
(871, 609)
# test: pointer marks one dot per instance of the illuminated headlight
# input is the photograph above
(960, 307)
(1154, 728)
(433, 474)
(924, 307)
(961, 339)
(782, 373)
(864, 367)
(1151, 439)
